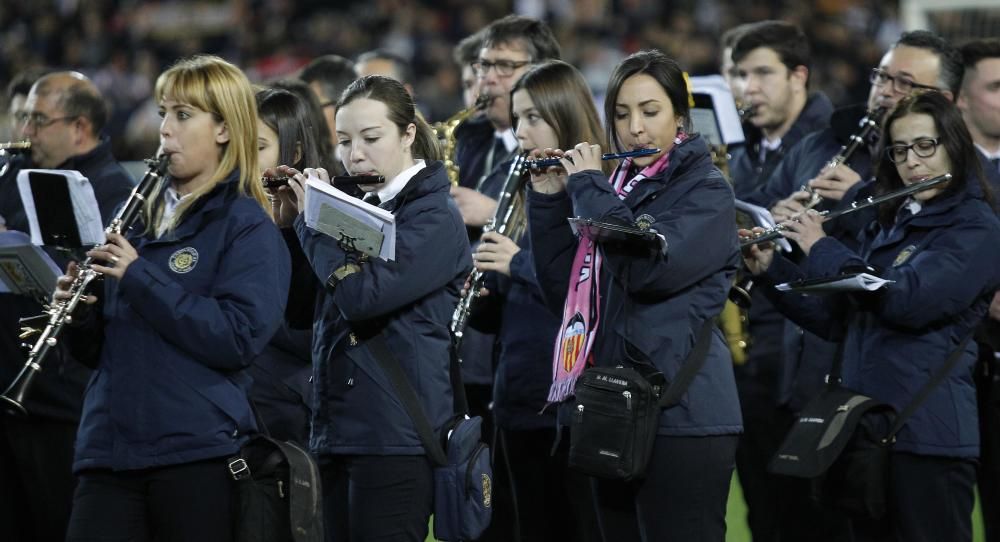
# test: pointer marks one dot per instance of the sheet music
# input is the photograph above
(727, 118)
(25, 269)
(330, 211)
(854, 282)
(761, 217)
(85, 208)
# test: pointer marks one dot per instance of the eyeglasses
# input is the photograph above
(505, 68)
(39, 121)
(902, 85)
(923, 148)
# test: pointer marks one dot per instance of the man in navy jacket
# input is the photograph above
(65, 116)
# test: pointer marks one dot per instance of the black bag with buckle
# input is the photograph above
(278, 495)
(842, 441)
(616, 413)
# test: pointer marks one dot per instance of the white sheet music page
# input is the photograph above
(333, 212)
(854, 282)
(85, 208)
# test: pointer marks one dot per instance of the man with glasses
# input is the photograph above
(327, 76)
(979, 101)
(63, 118)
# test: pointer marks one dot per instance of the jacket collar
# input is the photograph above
(427, 180)
(221, 194)
(688, 156)
(815, 115)
(91, 159)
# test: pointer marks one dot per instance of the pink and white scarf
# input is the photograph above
(582, 309)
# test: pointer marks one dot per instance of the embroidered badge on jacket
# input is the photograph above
(904, 255)
(183, 260)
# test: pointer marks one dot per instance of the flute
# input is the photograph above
(341, 180)
(547, 162)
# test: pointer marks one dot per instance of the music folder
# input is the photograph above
(851, 282)
(603, 232)
(25, 269)
(61, 208)
(356, 225)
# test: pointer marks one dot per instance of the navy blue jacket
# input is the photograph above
(527, 333)
(410, 301)
(57, 393)
(807, 358)
(668, 296)
(946, 267)
(749, 174)
(178, 331)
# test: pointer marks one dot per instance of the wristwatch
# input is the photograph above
(341, 273)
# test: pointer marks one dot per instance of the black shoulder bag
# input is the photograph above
(278, 493)
(463, 475)
(616, 412)
(842, 441)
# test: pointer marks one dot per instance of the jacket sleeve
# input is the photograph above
(823, 316)
(430, 248)
(552, 245)
(940, 281)
(700, 229)
(227, 329)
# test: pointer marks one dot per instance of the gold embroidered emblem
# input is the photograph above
(184, 260)
(487, 491)
(904, 255)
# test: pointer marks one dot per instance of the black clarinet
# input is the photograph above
(60, 312)
(500, 223)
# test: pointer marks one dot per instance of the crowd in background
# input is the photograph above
(123, 44)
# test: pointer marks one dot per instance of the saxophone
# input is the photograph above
(445, 131)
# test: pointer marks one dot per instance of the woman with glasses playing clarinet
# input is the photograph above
(191, 295)
(640, 306)
(377, 479)
(938, 246)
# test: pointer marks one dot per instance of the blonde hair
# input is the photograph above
(220, 88)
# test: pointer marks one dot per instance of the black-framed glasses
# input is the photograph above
(505, 68)
(39, 120)
(902, 85)
(924, 147)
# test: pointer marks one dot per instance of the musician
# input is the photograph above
(190, 296)
(551, 107)
(328, 76)
(377, 480)
(64, 117)
(726, 65)
(477, 131)
(315, 115)
(918, 60)
(939, 246)
(287, 133)
(979, 102)
(509, 47)
(772, 62)
(667, 300)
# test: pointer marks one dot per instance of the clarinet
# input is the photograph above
(60, 312)
(868, 123)
(777, 231)
(500, 224)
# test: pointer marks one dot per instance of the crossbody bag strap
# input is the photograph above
(925, 391)
(694, 362)
(408, 396)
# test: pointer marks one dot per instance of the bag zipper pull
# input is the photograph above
(281, 489)
(628, 399)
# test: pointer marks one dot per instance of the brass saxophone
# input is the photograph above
(445, 131)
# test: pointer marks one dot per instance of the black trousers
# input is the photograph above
(369, 497)
(682, 499)
(36, 478)
(553, 502)
(191, 502)
(988, 398)
(930, 500)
